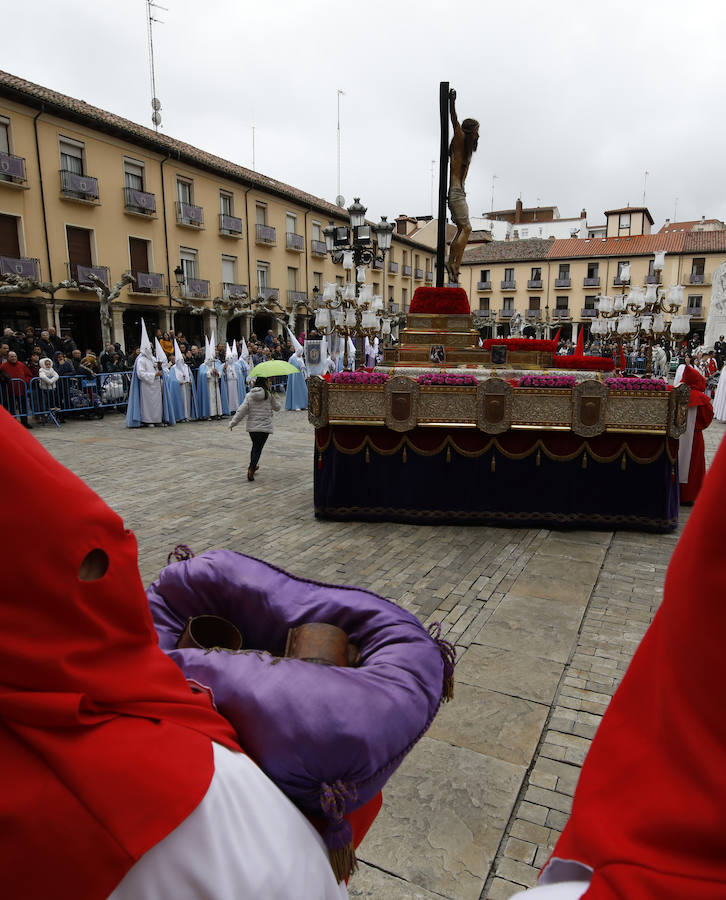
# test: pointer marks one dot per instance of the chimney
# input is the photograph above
(518, 212)
(515, 235)
(583, 213)
(401, 224)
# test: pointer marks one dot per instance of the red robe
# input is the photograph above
(704, 417)
(648, 811)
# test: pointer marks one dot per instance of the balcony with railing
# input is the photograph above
(147, 283)
(295, 297)
(377, 263)
(484, 313)
(195, 289)
(140, 203)
(506, 313)
(12, 170)
(294, 242)
(563, 282)
(407, 270)
(509, 285)
(534, 284)
(80, 273)
(617, 280)
(231, 291)
(268, 293)
(265, 234)
(230, 226)
(561, 312)
(428, 276)
(317, 248)
(651, 279)
(483, 285)
(23, 266)
(189, 215)
(418, 274)
(533, 315)
(592, 282)
(697, 278)
(588, 312)
(695, 312)
(393, 267)
(79, 187)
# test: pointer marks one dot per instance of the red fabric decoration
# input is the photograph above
(521, 344)
(440, 301)
(556, 338)
(583, 363)
(648, 811)
(104, 746)
(580, 348)
(622, 362)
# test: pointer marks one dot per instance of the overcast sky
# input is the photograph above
(576, 100)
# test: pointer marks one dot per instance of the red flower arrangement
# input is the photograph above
(583, 363)
(635, 384)
(520, 344)
(440, 301)
(550, 381)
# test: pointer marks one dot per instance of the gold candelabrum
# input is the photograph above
(641, 314)
(348, 312)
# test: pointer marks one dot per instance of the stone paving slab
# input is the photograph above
(544, 622)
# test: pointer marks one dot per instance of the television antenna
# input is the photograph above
(339, 199)
(155, 102)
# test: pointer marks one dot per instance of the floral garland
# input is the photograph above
(550, 381)
(635, 384)
(432, 378)
(440, 301)
(359, 378)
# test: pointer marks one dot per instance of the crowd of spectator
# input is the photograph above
(47, 356)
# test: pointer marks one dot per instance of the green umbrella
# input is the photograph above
(271, 368)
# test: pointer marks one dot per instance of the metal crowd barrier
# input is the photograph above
(72, 396)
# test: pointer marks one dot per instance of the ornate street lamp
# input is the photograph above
(352, 309)
(642, 313)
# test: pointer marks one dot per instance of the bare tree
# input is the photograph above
(228, 309)
(106, 297)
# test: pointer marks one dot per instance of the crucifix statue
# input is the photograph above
(463, 145)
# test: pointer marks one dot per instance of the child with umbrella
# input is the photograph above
(258, 407)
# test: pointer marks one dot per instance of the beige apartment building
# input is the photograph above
(85, 191)
(555, 283)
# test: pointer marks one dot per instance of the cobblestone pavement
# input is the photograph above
(544, 622)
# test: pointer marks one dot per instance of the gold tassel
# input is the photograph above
(448, 689)
(494, 464)
(448, 454)
(623, 463)
(405, 458)
(538, 458)
(343, 862)
(584, 460)
(368, 455)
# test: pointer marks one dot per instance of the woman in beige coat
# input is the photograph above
(258, 406)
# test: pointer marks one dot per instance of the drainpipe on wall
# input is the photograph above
(249, 258)
(42, 206)
(166, 243)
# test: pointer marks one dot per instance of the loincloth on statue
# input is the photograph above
(459, 207)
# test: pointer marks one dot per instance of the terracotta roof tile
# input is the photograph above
(689, 226)
(507, 251)
(637, 245)
(705, 242)
(78, 110)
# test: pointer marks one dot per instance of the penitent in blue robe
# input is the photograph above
(133, 410)
(178, 401)
(203, 410)
(297, 389)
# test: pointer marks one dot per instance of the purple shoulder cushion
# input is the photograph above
(307, 726)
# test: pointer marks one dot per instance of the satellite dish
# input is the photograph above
(340, 201)
(156, 118)
(155, 103)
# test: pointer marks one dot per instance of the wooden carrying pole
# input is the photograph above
(443, 182)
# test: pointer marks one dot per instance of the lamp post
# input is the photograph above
(351, 308)
(642, 313)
